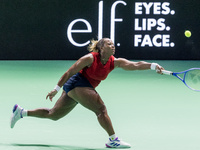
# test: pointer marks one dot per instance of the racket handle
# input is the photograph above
(167, 72)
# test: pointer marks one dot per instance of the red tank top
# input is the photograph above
(97, 71)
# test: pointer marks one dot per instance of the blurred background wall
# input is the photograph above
(61, 29)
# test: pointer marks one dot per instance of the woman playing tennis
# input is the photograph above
(79, 83)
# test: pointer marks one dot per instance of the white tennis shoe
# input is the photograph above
(16, 115)
(117, 143)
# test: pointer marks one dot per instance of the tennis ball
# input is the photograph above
(188, 33)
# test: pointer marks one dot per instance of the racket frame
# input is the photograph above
(176, 74)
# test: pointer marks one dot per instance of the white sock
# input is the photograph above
(113, 137)
(24, 113)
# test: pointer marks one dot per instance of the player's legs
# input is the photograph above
(90, 99)
(61, 108)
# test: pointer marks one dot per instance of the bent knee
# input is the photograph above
(53, 116)
(101, 111)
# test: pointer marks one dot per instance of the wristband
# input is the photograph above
(153, 66)
(57, 88)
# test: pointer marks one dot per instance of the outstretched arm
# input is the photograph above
(141, 65)
(75, 68)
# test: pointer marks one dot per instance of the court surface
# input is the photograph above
(148, 110)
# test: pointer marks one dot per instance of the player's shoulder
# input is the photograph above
(119, 61)
(87, 59)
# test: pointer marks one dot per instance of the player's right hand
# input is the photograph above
(51, 94)
(159, 69)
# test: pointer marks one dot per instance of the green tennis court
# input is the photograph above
(148, 110)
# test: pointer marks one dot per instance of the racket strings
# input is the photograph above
(192, 79)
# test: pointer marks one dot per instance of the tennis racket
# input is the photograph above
(190, 77)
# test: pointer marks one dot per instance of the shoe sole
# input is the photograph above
(108, 146)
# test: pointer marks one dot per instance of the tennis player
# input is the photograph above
(79, 83)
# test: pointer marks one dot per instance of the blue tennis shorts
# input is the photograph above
(77, 80)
